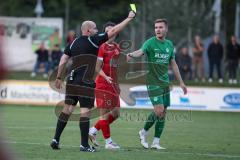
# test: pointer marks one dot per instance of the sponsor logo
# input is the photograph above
(232, 99)
(184, 100)
(3, 93)
(167, 50)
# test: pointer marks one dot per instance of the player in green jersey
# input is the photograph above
(160, 54)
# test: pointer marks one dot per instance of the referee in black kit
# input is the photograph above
(80, 84)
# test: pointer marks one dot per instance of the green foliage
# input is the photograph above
(17, 8)
(99, 11)
(182, 15)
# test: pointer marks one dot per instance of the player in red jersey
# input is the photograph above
(107, 90)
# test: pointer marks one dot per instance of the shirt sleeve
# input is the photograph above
(98, 39)
(172, 55)
(172, 52)
(145, 47)
(67, 51)
(101, 52)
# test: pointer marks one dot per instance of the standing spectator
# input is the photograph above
(184, 62)
(198, 59)
(70, 37)
(56, 56)
(215, 56)
(233, 54)
(42, 59)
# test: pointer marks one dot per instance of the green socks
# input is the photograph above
(150, 121)
(159, 127)
(152, 118)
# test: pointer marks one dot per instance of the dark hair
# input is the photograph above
(161, 21)
(108, 24)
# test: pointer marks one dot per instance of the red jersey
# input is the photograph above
(109, 54)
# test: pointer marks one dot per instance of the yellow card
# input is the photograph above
(133, 7)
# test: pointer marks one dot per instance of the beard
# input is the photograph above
(161, 35)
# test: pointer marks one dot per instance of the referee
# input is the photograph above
(80, 84)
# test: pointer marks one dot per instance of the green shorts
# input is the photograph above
(158, 95)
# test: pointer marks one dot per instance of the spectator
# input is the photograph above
(215, 56)
(56, 56)
(184, 62)
(233, 54)
(198, 59)
(70, 37)
(42, 59)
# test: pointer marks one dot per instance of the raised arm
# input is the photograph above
(119, 27)
(178, 75)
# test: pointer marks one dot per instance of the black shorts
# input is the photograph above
(82, 93)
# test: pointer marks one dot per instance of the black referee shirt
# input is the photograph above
(84, 51)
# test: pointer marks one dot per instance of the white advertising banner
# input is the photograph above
(198, 98)
(28, 93)
(31, 93)
(212, 99)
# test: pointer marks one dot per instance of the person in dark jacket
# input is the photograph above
(184, 62)
(215, 56)
(233, 54)
(42, 59)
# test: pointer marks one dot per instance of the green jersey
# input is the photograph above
(159, 54)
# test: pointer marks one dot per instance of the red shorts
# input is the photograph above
(106, 97)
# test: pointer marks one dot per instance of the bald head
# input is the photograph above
(88, 28)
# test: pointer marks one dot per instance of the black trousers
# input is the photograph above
(216, 63)
(232, 68)
(186, 74)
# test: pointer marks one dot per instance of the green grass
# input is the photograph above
(188, 135)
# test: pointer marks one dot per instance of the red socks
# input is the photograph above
(110, 120)
(104, 126)
(98, 125)
(105, 129)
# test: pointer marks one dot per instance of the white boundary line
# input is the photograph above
(139, 150)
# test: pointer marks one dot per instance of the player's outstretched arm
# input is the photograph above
(135, 54)
(119, 27)
(61, 65)
(178, 75)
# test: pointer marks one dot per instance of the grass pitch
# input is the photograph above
(188, 135)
